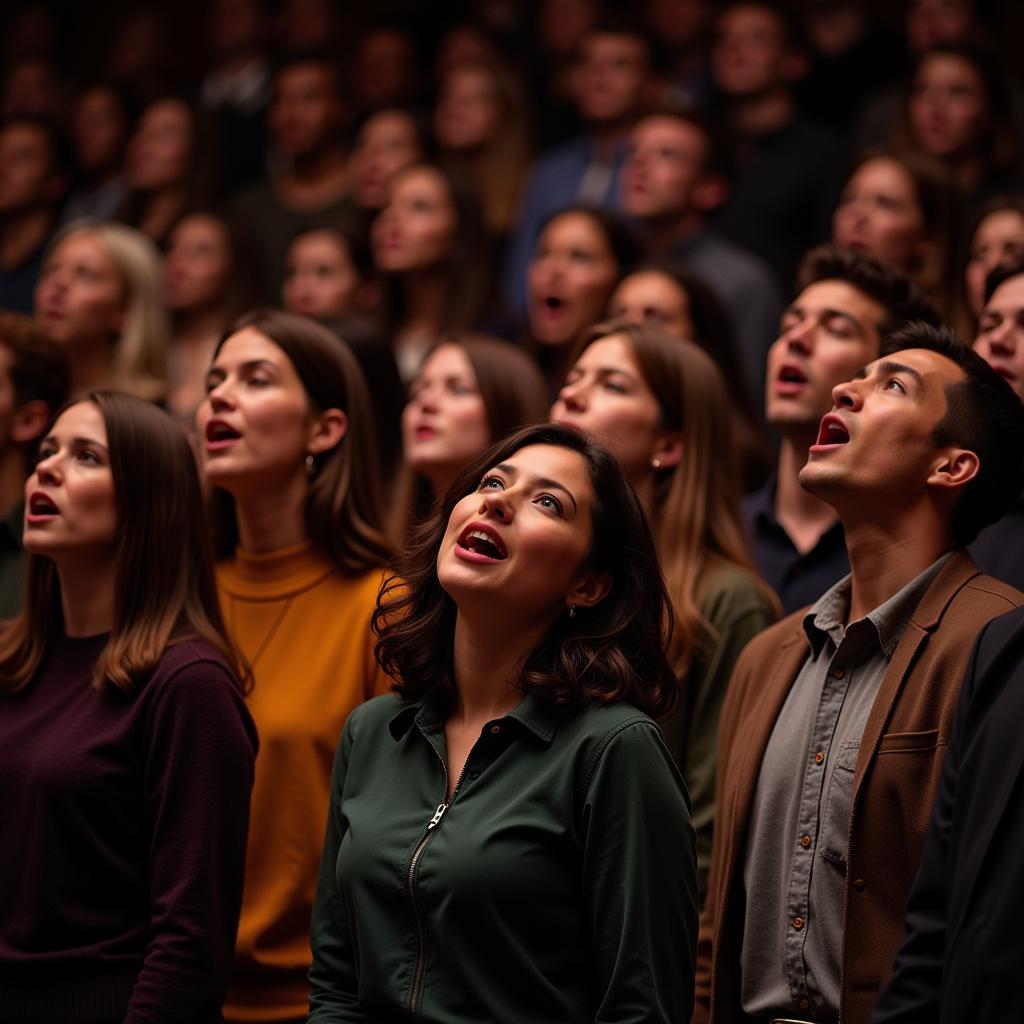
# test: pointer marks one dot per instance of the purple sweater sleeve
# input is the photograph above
(201, 746)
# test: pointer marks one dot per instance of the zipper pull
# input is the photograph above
(438, 815)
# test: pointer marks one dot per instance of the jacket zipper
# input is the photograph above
(421, 941)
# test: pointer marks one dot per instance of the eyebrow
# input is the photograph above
(249, 364)
(888, 366)
(543, 481)
(75, 442)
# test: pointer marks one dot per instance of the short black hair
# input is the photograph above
(983, 415)
(620, 23)
(1013, 266)
(310, 58)
(903, 300)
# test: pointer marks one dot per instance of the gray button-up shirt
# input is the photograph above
(795, 866)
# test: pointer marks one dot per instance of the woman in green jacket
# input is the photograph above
(508, 837)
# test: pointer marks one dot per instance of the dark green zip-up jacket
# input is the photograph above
(558, 885)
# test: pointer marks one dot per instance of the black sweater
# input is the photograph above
(122, 843)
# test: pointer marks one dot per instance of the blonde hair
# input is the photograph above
(695, 518)
(139, 362)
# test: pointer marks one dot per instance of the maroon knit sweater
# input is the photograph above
(123, 823)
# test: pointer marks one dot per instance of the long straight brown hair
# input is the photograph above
(343, 514)
(696, 518)
(164, 589)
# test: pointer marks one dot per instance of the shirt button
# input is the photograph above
(819, 758)
(495, 729)
(839, 673)
(805, 841)
(798, 923)
(858, 884)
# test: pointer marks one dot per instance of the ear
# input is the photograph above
(710, 192)
(954, 469)
(668, 450)
(327, 430)
(29, 421)
(588, 588)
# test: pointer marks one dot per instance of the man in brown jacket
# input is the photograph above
(837, 718)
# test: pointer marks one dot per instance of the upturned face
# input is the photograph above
(255, 423)
(444, 423)
(948, 105)
(198, 264)
(386, 144)
(828, 332)
(79, 297)
(70, 501)
(570, 279)
(879, 213)
(666, 161)
(320, 279)
(878, 440)
(519, 540)
(1000, 340)
(416, 228)
(468, 110)
(652, 297)
(998, 238)
(161, 148)
(607, 397)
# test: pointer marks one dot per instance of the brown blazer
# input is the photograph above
(897, 774)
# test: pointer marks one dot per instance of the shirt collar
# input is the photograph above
(884, 626)
(538, 717)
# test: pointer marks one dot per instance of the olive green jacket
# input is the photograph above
(557, 886)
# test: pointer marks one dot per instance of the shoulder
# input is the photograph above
(595, 728)
(195, 663)
(560, 158)
(785, 631)
(375, 715)
(726, 257)
(732, 593)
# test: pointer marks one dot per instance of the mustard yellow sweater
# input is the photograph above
(305, 629)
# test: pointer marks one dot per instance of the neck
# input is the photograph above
(90, 366)
(803, 516)
(12, 478)
(23, 233)
(320, 164)
(198, 326)
(606, 137)
(486, 662)
(271, 518)
(763, 113)
(425, 297)
(87, 596)
(161, 210)
(664, 235)
(886, 555)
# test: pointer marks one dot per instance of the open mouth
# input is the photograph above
(219, 433)
(832, 432)
(41, 505)
(792, 375)
(481, 540)
(553, 304)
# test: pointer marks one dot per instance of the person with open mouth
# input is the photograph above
(126, 750)
(288, 450)
(660, 406)
(508, 838)
(579, 258)
(471, 390)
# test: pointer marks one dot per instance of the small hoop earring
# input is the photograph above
(656, 463)
(310, 465)
(572, 612)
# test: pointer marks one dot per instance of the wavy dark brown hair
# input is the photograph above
(164, 590)
(612, 651)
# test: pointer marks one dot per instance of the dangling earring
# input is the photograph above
(310, 465)
(655, 463)
(572, 612)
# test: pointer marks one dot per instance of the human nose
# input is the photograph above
(573, 395)
(48, 469)
(1001, 340)
(799, 337)
(848, 395)
(221, 396)
(496, 503)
